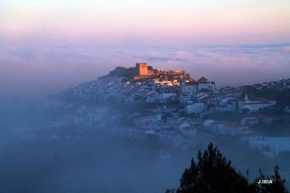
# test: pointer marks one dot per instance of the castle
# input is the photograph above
(143, 71)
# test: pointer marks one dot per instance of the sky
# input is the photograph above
(48, 45)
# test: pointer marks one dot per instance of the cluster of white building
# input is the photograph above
(269, 146)
(47, 103)
(137, 91)
(216, 101)
(195, 108)
(256, 104)
(287, 109)
(84, 117)
(173, 130)
(281, 85)
(197, 96)
(229, 128)
(164, 137)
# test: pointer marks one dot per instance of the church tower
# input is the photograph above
(246, 97)
(182, 85)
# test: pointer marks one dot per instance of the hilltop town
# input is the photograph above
(144, 83)
(168, 113)
(108, 96)
(172, 108)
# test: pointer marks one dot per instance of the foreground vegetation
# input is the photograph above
(213, 173)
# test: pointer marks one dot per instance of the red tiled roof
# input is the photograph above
(203, 79)
(192, 80)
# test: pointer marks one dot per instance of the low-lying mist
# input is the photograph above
(38, 159)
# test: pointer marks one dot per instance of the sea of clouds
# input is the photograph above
(42, 70)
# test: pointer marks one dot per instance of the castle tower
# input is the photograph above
(142, 69)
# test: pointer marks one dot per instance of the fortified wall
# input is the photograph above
(141, 71)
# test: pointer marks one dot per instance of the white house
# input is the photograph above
(189, 87)
(132, 132)
(245, 131)
(208, 123)
(287, 109)
(204, 83)
(168, 95)
(189, 131)
(228, 128)
(269, 145)
(249, 121)
(183, 125)
(224, 108)
(166, 138)
(257, 103)
(195, 108)
(193, 86)
(170, 139)
(256, 106)
(146, 119)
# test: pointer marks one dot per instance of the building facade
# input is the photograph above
(195, 108)
(193, 86)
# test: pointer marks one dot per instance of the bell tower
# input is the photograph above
(246, 97)
(182, 85)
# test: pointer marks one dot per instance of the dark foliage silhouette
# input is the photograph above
(213, 173)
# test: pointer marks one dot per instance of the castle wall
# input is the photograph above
(141, 71)
(150, 72)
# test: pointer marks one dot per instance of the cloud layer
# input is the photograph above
(36, 71)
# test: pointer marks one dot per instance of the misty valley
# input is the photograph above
(122, 135)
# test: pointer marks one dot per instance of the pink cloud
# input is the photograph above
(44, 70)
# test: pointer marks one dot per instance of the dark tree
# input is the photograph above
(246, 111)
(214, 174)
(276, 183)
(149, 67)
(210, 106)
